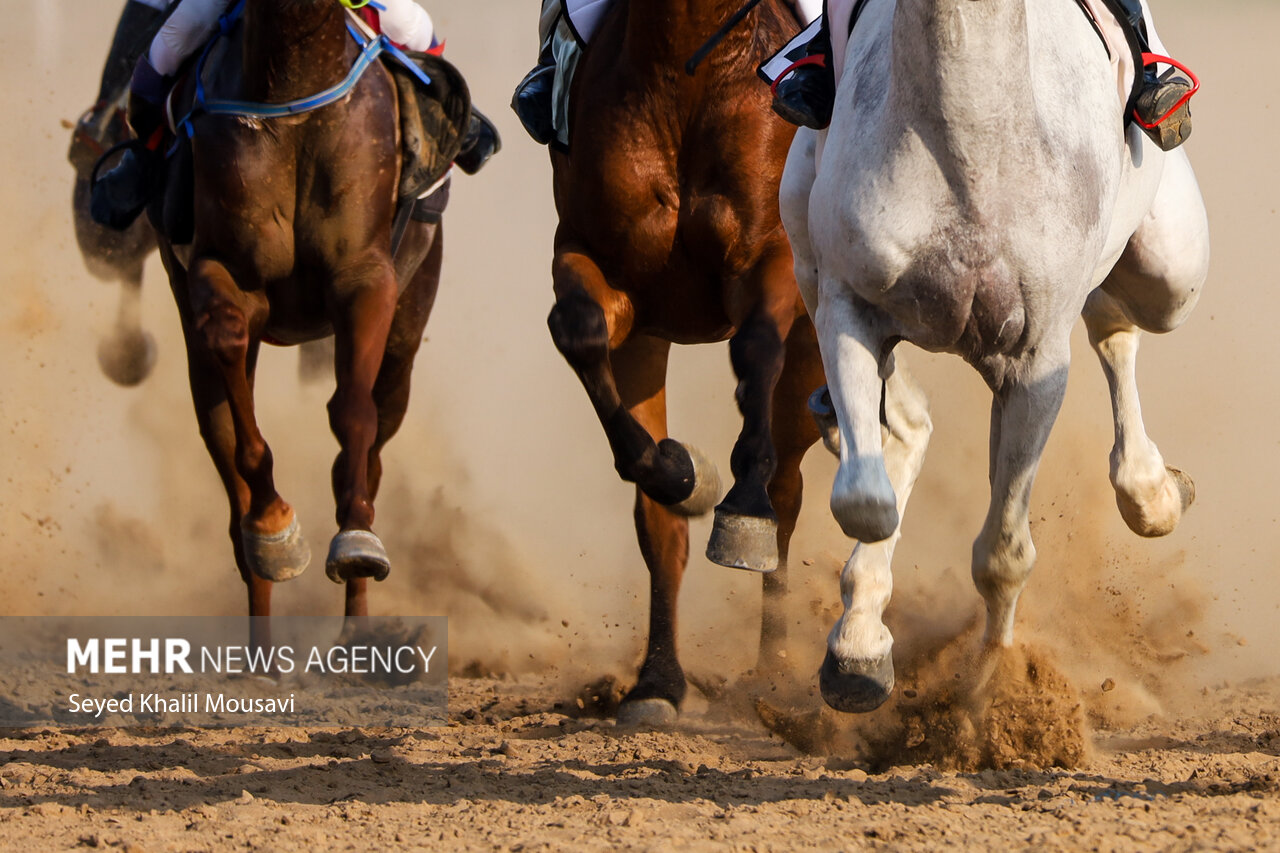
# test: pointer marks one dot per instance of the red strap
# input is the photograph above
(1152, 59)
(814, 59)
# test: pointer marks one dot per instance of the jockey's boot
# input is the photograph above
(1163, 108)
(532, 100)
(481, 142)
(805, 95)
(119, 196)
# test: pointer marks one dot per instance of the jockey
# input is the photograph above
(123, 192)
(805, 93)
(805, 96)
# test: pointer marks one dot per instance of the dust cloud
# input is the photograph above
(500, 506)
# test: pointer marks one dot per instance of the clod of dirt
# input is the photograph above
(1018, 710)
(814, 732)
(600, 698)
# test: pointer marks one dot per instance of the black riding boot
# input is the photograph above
(532, 99)
(481, 142)
(806, 95)
(119, 196)
(1159, 94)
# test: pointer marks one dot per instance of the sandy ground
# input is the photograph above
(1148, 669)
(512, 772)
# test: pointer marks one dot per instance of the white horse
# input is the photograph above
(977, 191)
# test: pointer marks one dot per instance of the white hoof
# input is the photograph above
(706, 485)
(357, 554)
(647, 713)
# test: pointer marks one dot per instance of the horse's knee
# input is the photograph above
(225, 331)
(579, 329)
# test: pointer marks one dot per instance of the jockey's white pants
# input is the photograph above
(194, 21)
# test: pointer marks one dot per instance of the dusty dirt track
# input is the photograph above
(1180, 751)
(511, 772)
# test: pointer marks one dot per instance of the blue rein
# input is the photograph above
(369, 53)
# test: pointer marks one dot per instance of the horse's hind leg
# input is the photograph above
(391, 390)
(794, 432)
(1023, 410)
(590, 318)
(745, 534)
(128, 353)
(1154, 286)
(641, 366)
(1151, 496)
(361, 328)
(222, 315)
(857, 673)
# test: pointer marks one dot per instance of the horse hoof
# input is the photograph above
(647, 713)
(743, 542)
(856, 686)
(276, 556)
(824, 415)
(1185, 485)
(127, 357)
(356, 554)
(706, 485)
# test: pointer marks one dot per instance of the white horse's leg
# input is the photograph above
(857, 673)
(1022, 414)
(1154, 286)
(862, 498)
(793, 204)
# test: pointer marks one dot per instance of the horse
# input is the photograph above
(669, 232)
(292, 243)
(976, 191)
(128, 353)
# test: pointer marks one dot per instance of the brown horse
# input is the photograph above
(669, 233)
(128, 353)
(292, 242)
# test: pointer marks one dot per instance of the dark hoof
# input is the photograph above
(856, 686)
(126, 358)
(706, 485)
(356, 554)
(824, 415)
(647, 713)
(743, 542)
(278, 556)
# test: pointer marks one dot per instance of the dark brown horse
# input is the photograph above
(128, 353)
(669, 233)
(292, 242)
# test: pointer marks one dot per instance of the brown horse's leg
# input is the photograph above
(423, 243)
(794, 432)
(746, 528)
(588, 318)
(223, 315)
(362, 322)
(640, 366)
(213, 414)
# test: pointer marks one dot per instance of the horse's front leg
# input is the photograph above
(745, 534)
(1023, 410)
(589, 319)
(857, 674)
(424, 247)
(364, 305)
(221, 318)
